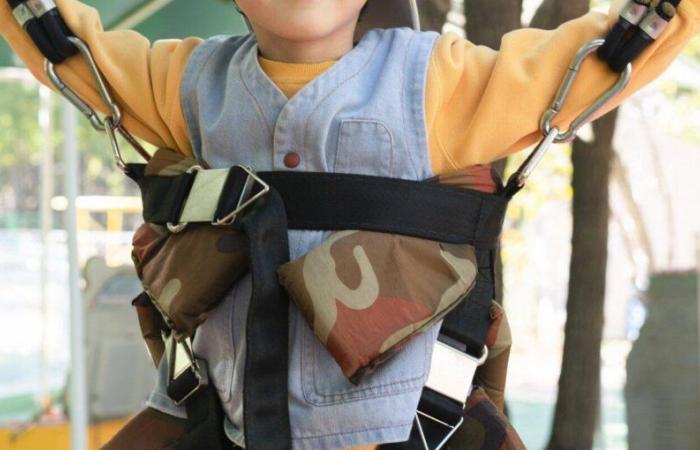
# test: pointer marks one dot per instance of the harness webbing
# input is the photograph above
(327, 201)
(323, 201)
(265, 396)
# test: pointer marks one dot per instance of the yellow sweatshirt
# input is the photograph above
(481, 104)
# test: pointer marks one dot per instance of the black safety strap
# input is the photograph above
(327, 201)
(444, 413)
(468, 323)
(265, 388)
(205, 419)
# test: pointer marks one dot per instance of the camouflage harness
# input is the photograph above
(263, 207)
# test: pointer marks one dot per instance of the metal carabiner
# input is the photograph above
(552, 134)
(565, 88)
(517, 180)
(111, 124)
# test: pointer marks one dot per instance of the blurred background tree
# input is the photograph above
(578, 401)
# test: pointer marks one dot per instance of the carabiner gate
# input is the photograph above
(111, 124)
(565, 88)
(552, 134)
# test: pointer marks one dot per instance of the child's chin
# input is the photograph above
(304, 33)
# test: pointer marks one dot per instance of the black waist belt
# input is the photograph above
(327, 201)
(320, 201)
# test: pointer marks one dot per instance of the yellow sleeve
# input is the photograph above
(143, 79)
(482, 105)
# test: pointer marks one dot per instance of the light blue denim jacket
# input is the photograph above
(364, 115)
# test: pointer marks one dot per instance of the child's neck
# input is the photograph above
(328, 48)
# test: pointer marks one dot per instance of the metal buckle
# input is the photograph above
(192, 374)
(452, 430)
(242, 203)
(452, 371)
(180, 226)
(451, 375)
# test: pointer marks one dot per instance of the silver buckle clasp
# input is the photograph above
(452, 371)
(245, 199)
(187, 375)
(175, 228)
(451, 375)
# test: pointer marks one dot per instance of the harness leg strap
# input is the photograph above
(205, 418)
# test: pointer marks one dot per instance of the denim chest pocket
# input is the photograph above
(324, 384)
(365, 147)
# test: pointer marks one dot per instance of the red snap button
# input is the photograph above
(292, 160)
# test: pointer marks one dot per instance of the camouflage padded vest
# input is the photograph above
(364, 115)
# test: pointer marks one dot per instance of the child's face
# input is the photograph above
(302, 20)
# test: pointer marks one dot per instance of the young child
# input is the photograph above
(298, 94)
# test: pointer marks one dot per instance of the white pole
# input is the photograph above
(47, 173)
(697, 275)
(78, 382)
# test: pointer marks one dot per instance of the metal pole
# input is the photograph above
(46, 177)
(78, 383)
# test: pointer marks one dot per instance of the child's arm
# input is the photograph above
(482, 105)
(143, 79)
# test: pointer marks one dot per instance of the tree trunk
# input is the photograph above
(578, 406)
(553, 13)
(433, 14)
(489, 20)
(578, 401)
